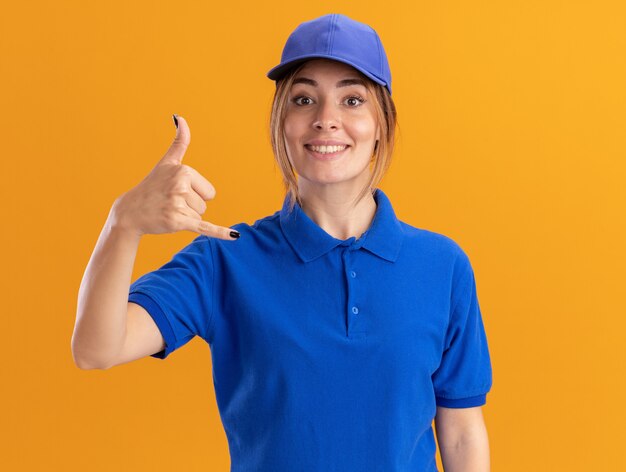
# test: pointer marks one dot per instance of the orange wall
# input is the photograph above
(511, 142)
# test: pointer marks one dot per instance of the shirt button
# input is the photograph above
(353, 274)
(355, 310)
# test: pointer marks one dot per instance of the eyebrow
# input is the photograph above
(341, 83)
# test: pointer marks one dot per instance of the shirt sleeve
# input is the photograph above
(464, 376)
(178, 295)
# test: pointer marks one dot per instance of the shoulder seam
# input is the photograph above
(211, 321)
(258, 223)
(455, 283)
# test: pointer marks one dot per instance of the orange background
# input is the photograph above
(512, 119)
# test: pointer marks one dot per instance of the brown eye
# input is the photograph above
(296, 100)
(356, 101)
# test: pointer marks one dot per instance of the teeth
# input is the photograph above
(326, 149)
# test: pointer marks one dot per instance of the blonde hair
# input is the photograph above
(385, 110)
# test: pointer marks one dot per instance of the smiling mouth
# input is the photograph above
(328, 151)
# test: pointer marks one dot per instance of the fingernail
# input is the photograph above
(234, 234)
(175, 120)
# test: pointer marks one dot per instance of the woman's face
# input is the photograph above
(328, 106)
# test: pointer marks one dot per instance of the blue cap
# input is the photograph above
(340, 38)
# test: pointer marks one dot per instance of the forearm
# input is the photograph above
(101, 315)
(469, 454)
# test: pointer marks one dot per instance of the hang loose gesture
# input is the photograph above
(109, 329)
(171, 197)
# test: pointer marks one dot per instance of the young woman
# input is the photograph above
(337, 332)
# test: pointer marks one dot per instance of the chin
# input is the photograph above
(329, 179)
(326, 175)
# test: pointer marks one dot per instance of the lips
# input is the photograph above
(326, 156)
(325, 142)
(326, 149)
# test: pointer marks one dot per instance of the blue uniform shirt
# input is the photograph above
(328, 354)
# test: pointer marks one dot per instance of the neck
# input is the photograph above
(337, 214)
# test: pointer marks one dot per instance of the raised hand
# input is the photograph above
(171, 197)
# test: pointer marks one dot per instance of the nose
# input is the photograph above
(327, 116)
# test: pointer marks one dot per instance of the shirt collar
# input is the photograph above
(383, 238)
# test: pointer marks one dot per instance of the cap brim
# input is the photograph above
(281, 70)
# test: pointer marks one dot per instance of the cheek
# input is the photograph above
(364, 131)
(291, 132)
(365, 128)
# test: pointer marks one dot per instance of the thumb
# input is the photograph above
(176, 151)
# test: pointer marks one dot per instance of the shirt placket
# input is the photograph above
(354, 310)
